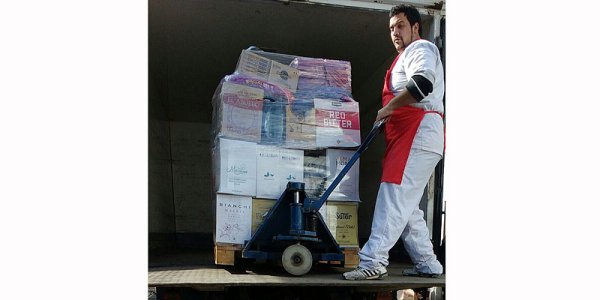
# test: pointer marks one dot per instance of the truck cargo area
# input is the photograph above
(192, 45)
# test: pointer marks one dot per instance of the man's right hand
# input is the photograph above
(383, 114)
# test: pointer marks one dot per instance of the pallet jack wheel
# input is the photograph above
(297, 260)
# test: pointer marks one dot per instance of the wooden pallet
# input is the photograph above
(225, 254)
(351, 257)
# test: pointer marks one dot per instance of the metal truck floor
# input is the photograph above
(197, 270)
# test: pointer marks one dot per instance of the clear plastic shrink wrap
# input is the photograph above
(306, 102)
(266, 114)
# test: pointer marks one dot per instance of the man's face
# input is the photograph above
(401, 32)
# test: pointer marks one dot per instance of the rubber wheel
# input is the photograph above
(296, 260)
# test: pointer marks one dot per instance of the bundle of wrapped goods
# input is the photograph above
(266, 115)
(298, 89)
(324, 77)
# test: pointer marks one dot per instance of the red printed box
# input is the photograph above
(338, 123)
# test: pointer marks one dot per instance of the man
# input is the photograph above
(414, 132)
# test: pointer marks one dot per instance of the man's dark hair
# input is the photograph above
(411, 13)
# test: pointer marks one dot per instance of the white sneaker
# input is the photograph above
(365, 274)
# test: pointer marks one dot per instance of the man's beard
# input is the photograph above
(404, 44)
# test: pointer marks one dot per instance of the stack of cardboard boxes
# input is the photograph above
(281, 118)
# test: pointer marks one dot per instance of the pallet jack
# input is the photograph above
(293, 232)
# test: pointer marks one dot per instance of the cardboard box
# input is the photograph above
(291, 167)
(342, 221)
(301, 112)
(300, 136)
(252, 64)
(275, 168)
(347, 189)
(315, 175)
(260, 208)
(338, 123)
(241, 110)
(233, 219)
(267, 171)
(236, 170)
(301, 130)
(318, 73)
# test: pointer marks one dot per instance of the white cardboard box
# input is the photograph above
(338, 123)
(292, 167)
(275, 167)
(267, 173)
(237, 167)
(241, 112)
(347, 189)
(233, 219)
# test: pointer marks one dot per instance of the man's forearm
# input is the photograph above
(403, 99)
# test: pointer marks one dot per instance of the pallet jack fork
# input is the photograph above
(293, 232)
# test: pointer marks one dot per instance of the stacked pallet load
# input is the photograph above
(279, 118)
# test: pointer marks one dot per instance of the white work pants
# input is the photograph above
(397, 214)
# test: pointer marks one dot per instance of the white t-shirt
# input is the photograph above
(422, 57)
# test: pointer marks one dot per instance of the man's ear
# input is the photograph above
(416, 29)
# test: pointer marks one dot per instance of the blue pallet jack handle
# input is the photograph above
(377, 127)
